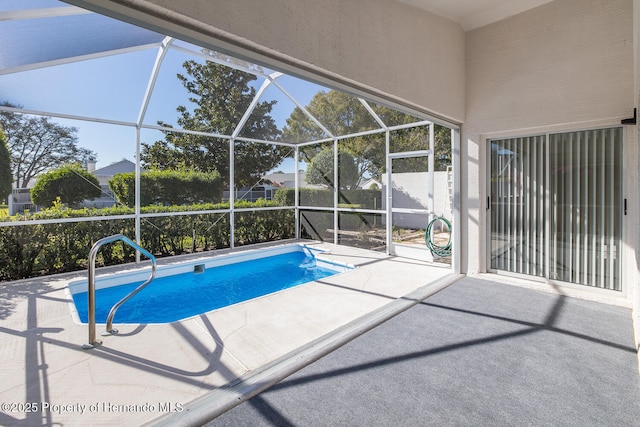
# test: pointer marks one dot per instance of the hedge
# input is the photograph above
(168, 187)
(34, 250)
(318, 225)
(320, 197)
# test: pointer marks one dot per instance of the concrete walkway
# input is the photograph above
(478, 353)
(147, 371)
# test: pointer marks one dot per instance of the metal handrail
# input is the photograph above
(91, 303)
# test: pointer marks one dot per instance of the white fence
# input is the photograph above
(410, 191)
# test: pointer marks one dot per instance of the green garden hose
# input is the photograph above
(437, 250)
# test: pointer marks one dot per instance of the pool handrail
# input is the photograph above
(91, 291)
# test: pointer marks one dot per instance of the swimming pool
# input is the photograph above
(192, 288)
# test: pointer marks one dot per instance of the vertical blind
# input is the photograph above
(556, 206)
(586, 207)
(518, 175)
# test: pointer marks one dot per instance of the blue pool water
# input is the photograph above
(172, 298)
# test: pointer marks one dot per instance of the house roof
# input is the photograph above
(287, 180)
(123, 166)
(280, 178)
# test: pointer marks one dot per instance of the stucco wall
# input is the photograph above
(410, 192)
(634, 196)
(564, 65)
(372, 46)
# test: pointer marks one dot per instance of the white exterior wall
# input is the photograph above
(378, 48)
(410, 191)
(565, 65)
(634, 179)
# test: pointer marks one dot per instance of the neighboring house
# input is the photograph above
(288, 180)
(20, 201)
(251, 194)
(107, 198)
(106, 173)
(270, 183)
(371, 184)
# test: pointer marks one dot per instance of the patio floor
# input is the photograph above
(359, 348)
(479, 352)
(148, 371)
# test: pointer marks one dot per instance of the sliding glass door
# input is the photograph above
(518, 177)
(586, 208)
(556, 206)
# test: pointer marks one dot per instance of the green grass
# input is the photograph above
(4, 210)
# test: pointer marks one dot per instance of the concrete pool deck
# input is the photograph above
(148, 371)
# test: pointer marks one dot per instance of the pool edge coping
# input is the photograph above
(107, 280)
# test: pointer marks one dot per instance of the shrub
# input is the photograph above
(262, 226)
(69, 184)
(19, 248)
(168, 187)
(363, 199)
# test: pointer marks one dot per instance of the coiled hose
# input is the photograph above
(437, 250)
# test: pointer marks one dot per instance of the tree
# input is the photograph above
(340, 114)
(343, 114)
(38, 144)
(6, 177)
(70, 183)
(442, 147)
(221, 96)
(321, 169)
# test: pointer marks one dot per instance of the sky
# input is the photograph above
(113, 88)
